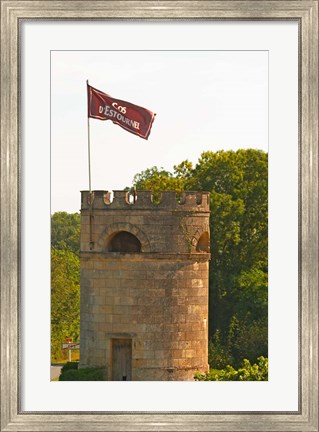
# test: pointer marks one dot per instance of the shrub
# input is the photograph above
(69, 365)
(247, 372)
(69, 375)
(85, 374)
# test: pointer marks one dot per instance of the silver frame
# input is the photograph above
(303, 11)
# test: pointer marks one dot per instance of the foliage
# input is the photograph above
(238, 182)
(69, 366)
(247, 372)
(65, 231)
(248, 338)
(85, 374)
(157, 179)
(218, 354)
(65, 300)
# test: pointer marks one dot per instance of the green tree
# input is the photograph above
(65, 299)
(238, 182)
(157, 179)
(65, 231)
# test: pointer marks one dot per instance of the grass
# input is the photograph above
(75, 356)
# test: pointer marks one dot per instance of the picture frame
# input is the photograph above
(12, 13)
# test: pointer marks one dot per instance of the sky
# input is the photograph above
(203, 100)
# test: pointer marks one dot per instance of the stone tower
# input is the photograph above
(144, 285)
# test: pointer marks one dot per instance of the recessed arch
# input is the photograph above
(113, 229)
(125, 242)
(203, 244)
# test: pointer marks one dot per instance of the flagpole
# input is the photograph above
(89, 144)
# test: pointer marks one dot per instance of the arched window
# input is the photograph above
(203, 243)
(125, 242)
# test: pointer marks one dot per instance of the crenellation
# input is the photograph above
(168, 200)
(120, 199)
(100, 199)
(143, 200)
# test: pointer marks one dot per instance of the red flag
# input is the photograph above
(133, 118)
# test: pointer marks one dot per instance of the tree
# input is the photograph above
(238, 182)
(157, 179)
(65, 231)
(65, 299)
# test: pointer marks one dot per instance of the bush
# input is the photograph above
(85, 374)
(69, 365)
(69, 375)
(247, 372)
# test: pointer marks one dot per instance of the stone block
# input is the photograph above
(139, 363)
(105, 327)
(121, 328)
(97, 300)
(98, 283)
(178, 354)
(109, 300)
(121, 319)
(99, 318)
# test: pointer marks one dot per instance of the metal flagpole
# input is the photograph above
(89, 145)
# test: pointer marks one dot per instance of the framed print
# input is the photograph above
(47, 48)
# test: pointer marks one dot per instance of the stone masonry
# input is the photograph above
(144, 285)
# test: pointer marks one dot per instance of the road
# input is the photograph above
(55, 371)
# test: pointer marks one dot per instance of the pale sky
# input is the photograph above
(203, 100)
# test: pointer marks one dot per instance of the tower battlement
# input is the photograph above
(169, 200)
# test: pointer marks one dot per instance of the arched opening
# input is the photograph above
(203, 243)
(125, 242)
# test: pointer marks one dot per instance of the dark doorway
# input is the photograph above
(121, 359)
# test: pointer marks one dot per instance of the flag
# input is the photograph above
(133, 118)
